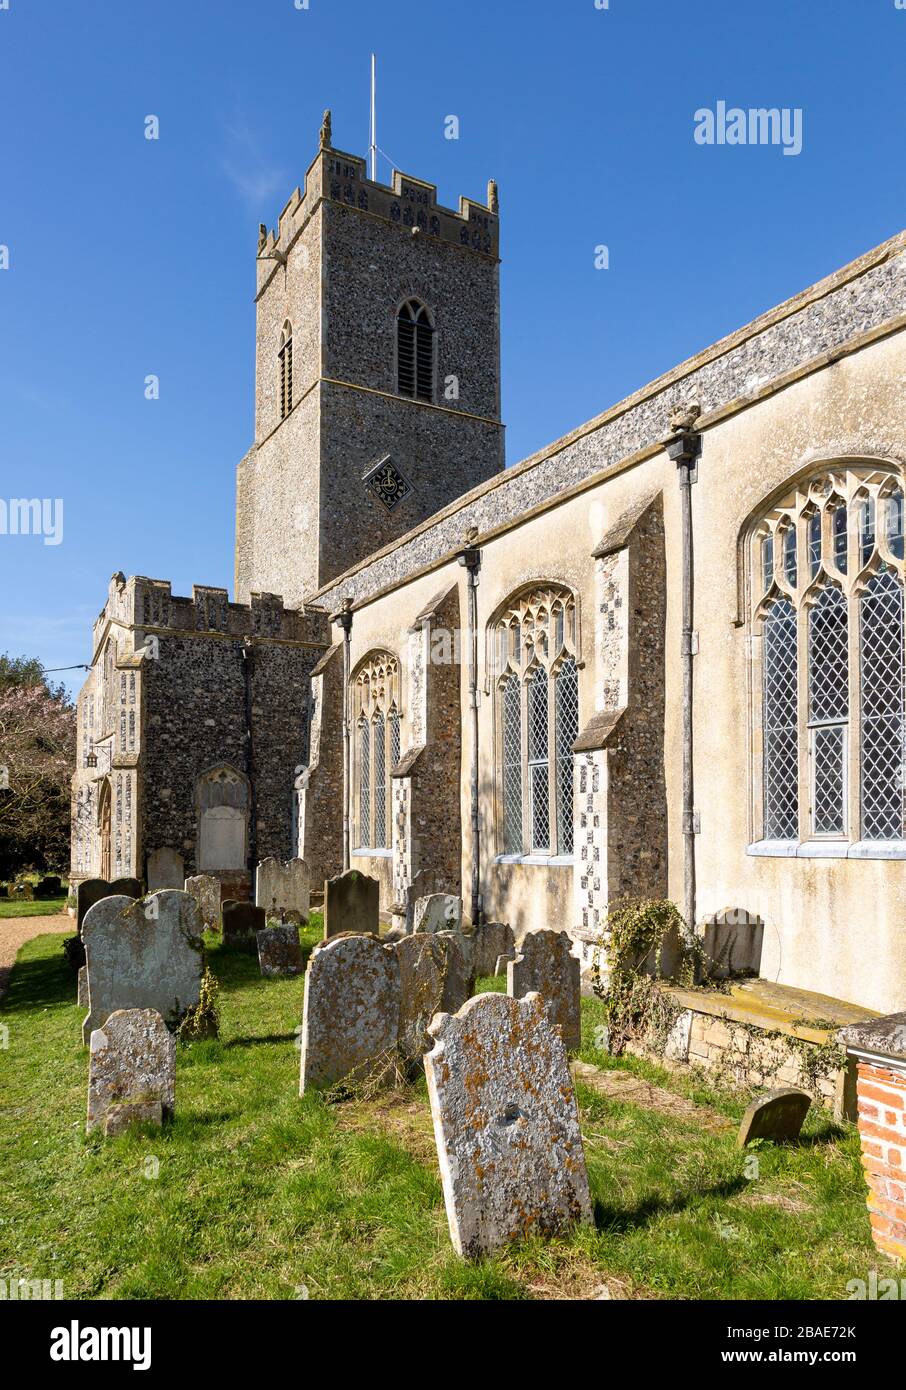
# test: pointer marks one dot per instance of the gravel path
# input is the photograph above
(15, 931)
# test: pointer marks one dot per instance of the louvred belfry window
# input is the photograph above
(286, 371)
(827, 568)
(375, 697)
(534, 650)
(415, 352)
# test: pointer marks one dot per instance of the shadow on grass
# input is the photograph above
(620, 1220)
(253, 1041)
(37, 984)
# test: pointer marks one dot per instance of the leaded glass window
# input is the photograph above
(534, 646)
(374, 694)
(830, 698)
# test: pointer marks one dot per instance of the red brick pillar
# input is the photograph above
(879, 1047)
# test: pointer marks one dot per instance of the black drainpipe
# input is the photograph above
(343, 619)
(248, 663)
(471, 559)
(684, 448)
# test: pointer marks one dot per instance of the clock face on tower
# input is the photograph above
(386, 482)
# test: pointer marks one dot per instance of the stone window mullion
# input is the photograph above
(854, 731)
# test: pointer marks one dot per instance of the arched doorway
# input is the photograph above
(104, 827)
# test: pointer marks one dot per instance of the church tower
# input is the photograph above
(377, 398)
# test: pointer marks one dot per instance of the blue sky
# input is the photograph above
(129, 257)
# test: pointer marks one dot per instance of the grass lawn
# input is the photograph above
(253, 1192)
(42, 907)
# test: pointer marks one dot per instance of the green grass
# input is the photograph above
(40, 907)
(261, 1194)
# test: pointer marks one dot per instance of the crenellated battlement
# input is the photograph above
(141, 605)
(407, 202)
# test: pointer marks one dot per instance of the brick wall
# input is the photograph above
(882, 1130)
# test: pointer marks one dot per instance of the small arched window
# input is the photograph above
(286, 370)
(415, 352)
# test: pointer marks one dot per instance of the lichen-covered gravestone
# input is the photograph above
(435, 977)
(778, 1116)
(545, 964)
(490, 941)
(350, 1019)
(279, 952)
(144, 954)
(506, 1124)
(166, 869)
(241, 924)
(438, 912)
(205, 889)
(350, 904)
(284, 889)
(131, 1070)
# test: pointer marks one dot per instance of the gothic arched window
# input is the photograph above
(830, 702)
(285, 356)
(415, 351)
(376, 718)
(537, 690)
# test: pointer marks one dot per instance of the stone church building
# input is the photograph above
(663, 656)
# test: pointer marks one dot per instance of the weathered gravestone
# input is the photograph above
(166, 869)
(506, 1124)
(490, 940)
(351, 1014)
(144, 954)
(545, 965)
(435, 977)
(279, 952)
(423, 885)
(205, 889)
(351, 904)
(779, 1116)
(241, 924)
(132, 1069)
(284, 889)
(92, 890)
(438, 912)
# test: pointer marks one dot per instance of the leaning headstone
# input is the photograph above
(778, 1116)
(284, 890)
(241, 924)
(83, 987)
(506, 1124)
(350, 1018)
(205, 889)
(144, 954)
(438, 912)
(435, 977)
(546, 965)
(166, 869)
(279, 952)
(351, 904)
(132, 1063)
(491, 940)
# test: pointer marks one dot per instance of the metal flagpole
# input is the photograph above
(373, 146)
